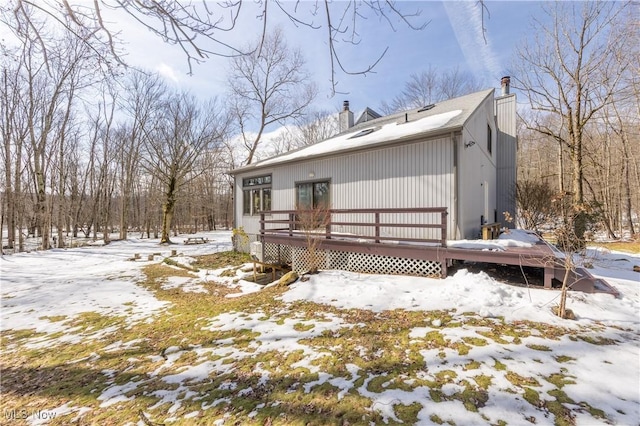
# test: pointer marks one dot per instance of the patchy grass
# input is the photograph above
(54, 318)
(542, 348)
(221, 260)
(341, 367)
(625, 246)
(563, 358)
(521, 381)
(171, 262)
(407, 413)
(597, 340)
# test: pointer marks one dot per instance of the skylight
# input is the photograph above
(363, 133)
(426, 108)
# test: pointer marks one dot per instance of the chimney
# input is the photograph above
(345, 118)
(506, 83)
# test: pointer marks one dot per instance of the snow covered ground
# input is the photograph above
(39, 286)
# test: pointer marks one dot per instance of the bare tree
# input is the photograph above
(174, 144)
(569, 71)
(144, 94)
(309, 129)
(623, 116)
(535, 203)
(202, 30)
(14, 133)
(454, 83)
(316, 127)
(102, 168)
(50, 96)
(431, 86)
(268, 86)
(313, 223)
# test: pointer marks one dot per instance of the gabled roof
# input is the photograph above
(442, 118)
(367, 115)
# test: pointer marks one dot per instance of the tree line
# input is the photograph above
(88, 152)
(579, 168)
(91, 147)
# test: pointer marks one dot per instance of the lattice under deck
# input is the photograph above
(301, 261)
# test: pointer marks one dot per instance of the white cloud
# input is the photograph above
(466, 20)
(168, 72)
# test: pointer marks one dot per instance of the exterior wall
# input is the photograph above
(507, 145)
(419, 174)
(477, 172)
(456, 171)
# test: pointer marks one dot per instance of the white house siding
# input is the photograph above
(506, 157)
(419, 174)
(477, 171)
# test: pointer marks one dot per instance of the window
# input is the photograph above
(312, 195)
(313, 199)
(258, 180)
(256, 194)
(489, 138)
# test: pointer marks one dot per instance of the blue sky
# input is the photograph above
(453, 38)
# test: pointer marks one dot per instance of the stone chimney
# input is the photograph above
(505, 83)
(345, 118)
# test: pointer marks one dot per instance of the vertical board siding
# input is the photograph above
(409, 175)
(507, 150)
(476, 165)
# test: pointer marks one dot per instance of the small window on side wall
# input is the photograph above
(256, 195)
(489, 145)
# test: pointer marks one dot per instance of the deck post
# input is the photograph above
(548, 276)
(377, 223)
(261, 226)
(443, 232)
(443, 268)
(328, 226)
(291, 219)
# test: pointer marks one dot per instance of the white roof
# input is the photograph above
(444, 116)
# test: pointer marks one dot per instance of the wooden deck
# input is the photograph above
(539, 255)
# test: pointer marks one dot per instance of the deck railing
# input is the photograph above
(329, 219)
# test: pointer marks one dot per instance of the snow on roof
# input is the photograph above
(387, 132)
(400, 126)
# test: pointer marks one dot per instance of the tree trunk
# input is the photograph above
(61, 202)
(579, 213)
(627, 186)
(41, 209)
(123, 215)
(167, 212)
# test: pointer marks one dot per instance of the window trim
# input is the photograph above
(489, 139)
(252, 186)
(312, 182)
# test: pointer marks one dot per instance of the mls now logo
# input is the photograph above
(23, 414)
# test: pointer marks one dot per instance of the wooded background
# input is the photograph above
(91, 147)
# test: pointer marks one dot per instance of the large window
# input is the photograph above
(312, 195)
(312, 199)
(256, 194)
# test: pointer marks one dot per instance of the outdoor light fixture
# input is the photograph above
(470, 143)
(312, 174)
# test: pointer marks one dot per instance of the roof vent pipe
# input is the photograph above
(505, 83)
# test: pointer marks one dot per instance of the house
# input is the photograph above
(458, 155)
